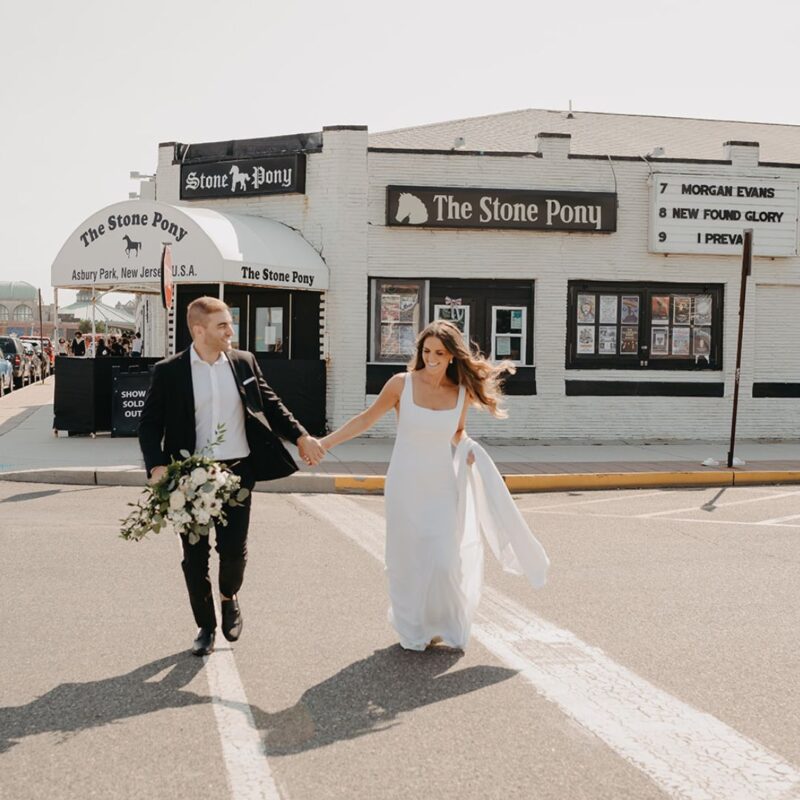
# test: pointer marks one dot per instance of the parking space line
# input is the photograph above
(651, 514)
(699, 520)
(686, 752)
(779, 520)
(631, 493)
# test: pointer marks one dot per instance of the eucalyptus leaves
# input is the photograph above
(191, 496)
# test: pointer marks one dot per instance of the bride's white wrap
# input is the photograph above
(485, 504)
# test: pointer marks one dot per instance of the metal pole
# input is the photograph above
(45, 355)
(747, 258)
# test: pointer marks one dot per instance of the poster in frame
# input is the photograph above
(659, 313)
(630, 309)
(586, 339)
(587, 309)
(681, 309)
(680, 341)
(629, 340)
(607, 340)
(703, 305)
(659, 341)
(701, 343)
(608, 309)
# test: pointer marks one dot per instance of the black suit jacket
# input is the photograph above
(167, 423)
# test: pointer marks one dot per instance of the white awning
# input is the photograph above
(120, 248)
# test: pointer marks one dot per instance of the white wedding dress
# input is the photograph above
(425, 568)
(436, 508)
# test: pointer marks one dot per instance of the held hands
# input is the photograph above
(311, 450)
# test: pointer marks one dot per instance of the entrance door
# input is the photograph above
(270, 324)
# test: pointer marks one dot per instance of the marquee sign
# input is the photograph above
(244, 177)
(708, 214)
(519, 209)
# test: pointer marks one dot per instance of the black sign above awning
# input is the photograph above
(244, 177)
(520, 209)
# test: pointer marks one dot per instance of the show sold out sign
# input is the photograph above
(446, 207)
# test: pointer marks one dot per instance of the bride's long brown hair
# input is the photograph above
(478, 375)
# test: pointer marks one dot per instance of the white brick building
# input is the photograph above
(621, 313)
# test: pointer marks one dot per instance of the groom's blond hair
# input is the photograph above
(200, 309)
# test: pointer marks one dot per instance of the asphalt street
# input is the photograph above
(661, 660)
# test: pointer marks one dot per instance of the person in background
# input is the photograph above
(101, 349)
(115, 347)
(61, 347)
(78, 346)
(136, 345)
(126, 346)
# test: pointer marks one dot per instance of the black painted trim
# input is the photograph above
(344, 128)
(576, 388)
(546, 135)
(741, 144)
(776, 390)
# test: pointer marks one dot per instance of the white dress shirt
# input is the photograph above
(217, 401)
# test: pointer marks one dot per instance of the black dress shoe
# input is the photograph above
(232, 621)
(204, 643)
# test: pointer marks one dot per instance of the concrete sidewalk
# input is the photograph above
(30, 451)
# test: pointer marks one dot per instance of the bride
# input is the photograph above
(435, 506)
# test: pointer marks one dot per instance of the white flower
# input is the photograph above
(202, 516)
(177, 500)
(220, 478)
(198, 476)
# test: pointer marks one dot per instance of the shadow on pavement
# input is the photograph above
(75, 707)
(369, 696)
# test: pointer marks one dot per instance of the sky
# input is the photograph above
(88, 89)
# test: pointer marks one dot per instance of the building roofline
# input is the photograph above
(575, 112)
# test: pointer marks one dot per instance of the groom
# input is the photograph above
(192, 393)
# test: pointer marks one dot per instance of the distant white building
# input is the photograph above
(600, 252)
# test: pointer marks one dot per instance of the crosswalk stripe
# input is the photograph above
(249, 775)
(687, 753)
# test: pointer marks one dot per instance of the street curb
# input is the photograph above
(305, 483)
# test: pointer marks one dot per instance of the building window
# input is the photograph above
(644, 326)
(3, 313)
(270, 335)
(508, 334)
(23, 314)
(495, 316)
(398, 315)
(452, 311)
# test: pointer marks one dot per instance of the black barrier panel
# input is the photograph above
(82, 400)
(128, 390)
(73, 396)
(300, 383)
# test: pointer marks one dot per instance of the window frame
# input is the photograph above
(374, 329)
(523, 334)
(643, 359)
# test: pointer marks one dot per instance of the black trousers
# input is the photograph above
(231, 545)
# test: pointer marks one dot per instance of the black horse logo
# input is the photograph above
(133, 247)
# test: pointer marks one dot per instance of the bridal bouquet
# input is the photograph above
(188, 499)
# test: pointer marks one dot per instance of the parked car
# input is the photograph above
(21, 361)
(42, 360)
(37, 361)
(6, 375)
(45, 344)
